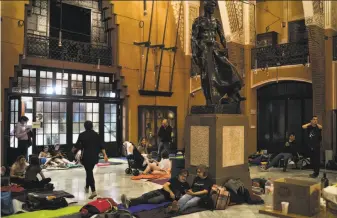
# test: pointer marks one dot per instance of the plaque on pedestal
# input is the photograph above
(219, 142)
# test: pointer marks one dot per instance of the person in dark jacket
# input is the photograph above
(289, 150)
(164, 134)
(314, 131)
(89, 142)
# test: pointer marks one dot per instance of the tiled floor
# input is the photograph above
(111, 181)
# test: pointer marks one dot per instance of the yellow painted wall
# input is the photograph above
(130, 58)
(334, 90)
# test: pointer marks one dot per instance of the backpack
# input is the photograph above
(36, 203)
(101, 205)
(6, 203)
(220, 197)
(235, 185)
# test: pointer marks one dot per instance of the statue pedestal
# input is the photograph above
(218, 141)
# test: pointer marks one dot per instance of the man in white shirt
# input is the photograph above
(21, 133)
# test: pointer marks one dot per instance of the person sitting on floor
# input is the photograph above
(200, 190)
(145, 156)
(172, 190)
(18, 170)
(288, 151)
(58, 157)
(162, 167)
(144, 144)
(31, 180)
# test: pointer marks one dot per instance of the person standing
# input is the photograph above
(164, 134)
(22, 133)
(314, 131)
(90, 144)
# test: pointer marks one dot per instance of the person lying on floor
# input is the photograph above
(58, 157)
(288, 150)
(172, 190)
(199, 191)
(31, 180)
(18, 170)
(162, 167)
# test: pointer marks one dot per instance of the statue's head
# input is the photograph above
(209, 6)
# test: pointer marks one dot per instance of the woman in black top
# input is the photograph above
(90, 143)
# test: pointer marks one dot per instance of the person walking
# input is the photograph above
(314, 131)
(90, 144)
(164, 134)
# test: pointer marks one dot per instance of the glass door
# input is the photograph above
(149, 123)
(110, 129)
(53, 118)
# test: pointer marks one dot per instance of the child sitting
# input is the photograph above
(162, 167)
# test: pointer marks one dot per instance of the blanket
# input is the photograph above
(151, 176)
(162, 212)
(49, 213)
(143, 207)
(68, 166)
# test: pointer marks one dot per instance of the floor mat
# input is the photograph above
(151, 176)
(161, 212)
(49, 213)
(143, 207)
(160, 181)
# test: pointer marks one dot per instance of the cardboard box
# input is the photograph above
(303, 196)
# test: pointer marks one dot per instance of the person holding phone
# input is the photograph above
(90, 144)
(314, 131)
(23, 133)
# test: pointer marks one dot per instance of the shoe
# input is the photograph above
(93, 195)
(125, 201)
(284, 169)
(86, 190)
(314, 175)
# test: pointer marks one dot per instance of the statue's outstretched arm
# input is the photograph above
(220, 33)
(194, 40)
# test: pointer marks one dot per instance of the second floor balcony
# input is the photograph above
(280, 55)
(67, 50)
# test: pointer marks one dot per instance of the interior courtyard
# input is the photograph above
(136, 70)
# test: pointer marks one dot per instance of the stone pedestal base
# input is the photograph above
(219, 142)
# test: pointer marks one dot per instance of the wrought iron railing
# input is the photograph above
(280, 55)
(68, 50)
(334, 48)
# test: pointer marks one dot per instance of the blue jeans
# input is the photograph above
(278, 157)
(163, 146)
(188, 201)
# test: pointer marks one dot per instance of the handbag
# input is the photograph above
(220, 197)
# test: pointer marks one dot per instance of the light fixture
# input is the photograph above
(145, 11)
(60, 39)
(113, 78)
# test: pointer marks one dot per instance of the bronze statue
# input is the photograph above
(220, 80)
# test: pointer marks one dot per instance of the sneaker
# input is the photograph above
(125, 201)
(93, 195)
(86, 190)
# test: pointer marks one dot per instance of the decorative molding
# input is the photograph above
(265, 82)
(314, 13)
(235, 17)
(176, 6)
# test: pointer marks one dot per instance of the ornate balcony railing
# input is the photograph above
(280, 55)
(74, 51)
(334, 48)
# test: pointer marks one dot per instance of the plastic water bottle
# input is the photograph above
(269, 195)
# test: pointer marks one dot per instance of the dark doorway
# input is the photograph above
(74, 22)
(282, 109)
(149, 122)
